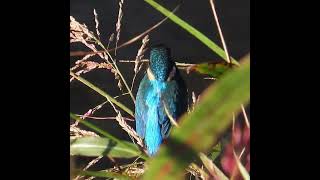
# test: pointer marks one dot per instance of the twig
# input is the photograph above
(172, 120)
(131, 132)
(179, 64)
(194, 100)
(241, 168)
(135, 75)
(219, 29)
(107, 118)
(91, 163)
(90, 112)
(241, 153)
(133, 61)
(245, 116)
(210, 78)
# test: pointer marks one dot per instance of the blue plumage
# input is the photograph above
(162, 86)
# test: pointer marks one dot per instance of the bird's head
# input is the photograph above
(160, 62)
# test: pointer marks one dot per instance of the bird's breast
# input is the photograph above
(154, 93)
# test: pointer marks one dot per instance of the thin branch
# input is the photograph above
(219, 29)
(241, 168)
(241, 153)
(131, 132)
(134, 77)
(245, 116)
(179, 64)
(104, 118)
(172, 120)
(91, 163)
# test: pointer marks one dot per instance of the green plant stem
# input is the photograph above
(104, 94)
(95, 128)
(116, 67)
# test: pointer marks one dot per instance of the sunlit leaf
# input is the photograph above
(97, 146)
(211, 69)
(106, 134)
(216, 151)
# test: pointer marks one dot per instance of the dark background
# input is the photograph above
(234, 16)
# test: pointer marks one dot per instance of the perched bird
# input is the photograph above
(162, 93)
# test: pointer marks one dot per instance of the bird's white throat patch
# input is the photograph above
(151, 76)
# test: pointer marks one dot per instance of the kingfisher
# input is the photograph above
(162, 94)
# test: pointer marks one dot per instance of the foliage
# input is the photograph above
(194, 143)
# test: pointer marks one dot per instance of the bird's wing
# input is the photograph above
(141, 107)
(174, 97)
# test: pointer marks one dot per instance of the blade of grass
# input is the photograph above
(104, 94)
(104, 133)
(204, 39)
(242, 169)
(212, 168)
(98, 146)
(95, 128)
(219, 30)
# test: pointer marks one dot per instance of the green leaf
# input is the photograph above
(204, 39)
(201, 129)
(104, 133)
(212, 69)
(97, 146)
(216, 151)
(103, 174)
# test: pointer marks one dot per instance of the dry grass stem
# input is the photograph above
(118, 25)
(219, 29)
(97, 22)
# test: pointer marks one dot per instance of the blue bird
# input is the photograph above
(161, 92)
